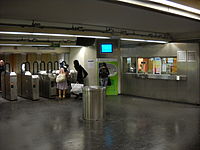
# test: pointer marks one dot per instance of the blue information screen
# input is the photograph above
(106, 48)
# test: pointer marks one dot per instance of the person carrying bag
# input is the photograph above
(81, 75)
(104, 75)
(62, 85)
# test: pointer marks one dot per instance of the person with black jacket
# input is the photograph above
(81, 75)
(81, 72)
(103, 75)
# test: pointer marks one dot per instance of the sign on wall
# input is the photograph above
(191, 56)
(91, 63)
(181, 56)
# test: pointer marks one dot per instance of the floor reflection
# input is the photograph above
(130, 124)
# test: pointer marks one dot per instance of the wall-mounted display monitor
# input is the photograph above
(106, 48)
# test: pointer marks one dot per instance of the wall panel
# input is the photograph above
(181, 91)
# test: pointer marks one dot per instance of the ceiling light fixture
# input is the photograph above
(39, 45)
(70, 46)
(176, 5)
(53, 34)
(169, 7)
(10, 44)
(141, 40)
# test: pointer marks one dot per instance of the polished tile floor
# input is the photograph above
(131, 124)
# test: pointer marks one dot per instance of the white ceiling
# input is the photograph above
(96, 12)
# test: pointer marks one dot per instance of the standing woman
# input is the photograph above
(62, 85)
(103, 75)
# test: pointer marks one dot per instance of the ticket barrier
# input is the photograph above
(9, 84)
(56, 68)
(47, 81)
(28, 84)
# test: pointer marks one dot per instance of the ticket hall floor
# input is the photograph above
(131, 123)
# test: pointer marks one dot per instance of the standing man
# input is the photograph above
(81, 72)
(81, 75)
(2, 68)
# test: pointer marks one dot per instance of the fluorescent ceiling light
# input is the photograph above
(179, 10)
(156, 41)
(35, 45)
(135, 40)
(10, 44)
(70, 46)
(176, 5)
(141, 40)
(53, 34)
(24, 45)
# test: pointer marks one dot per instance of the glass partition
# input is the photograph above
(169, 65)
(142, 65)
(154, 65)
(129, 64)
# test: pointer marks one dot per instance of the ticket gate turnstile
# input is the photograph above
(28, 84)
(56, 68)
(9, 84)
(48, 85)
(47, 81)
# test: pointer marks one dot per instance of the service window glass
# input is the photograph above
(142, 65)
(129, 64)
(157, 65)
(169, 65)
(150, 65)
(154, 65)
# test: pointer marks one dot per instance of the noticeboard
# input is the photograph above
(181, 56)
(191, 56)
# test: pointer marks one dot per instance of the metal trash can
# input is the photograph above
(93, 102)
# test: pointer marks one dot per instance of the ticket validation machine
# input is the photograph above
(47, 81)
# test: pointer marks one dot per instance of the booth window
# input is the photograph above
(157, 65)
(154, 65)
(129, 64)
(169, 65)
(143, 65)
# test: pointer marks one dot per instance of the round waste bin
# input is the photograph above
(93, 102)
